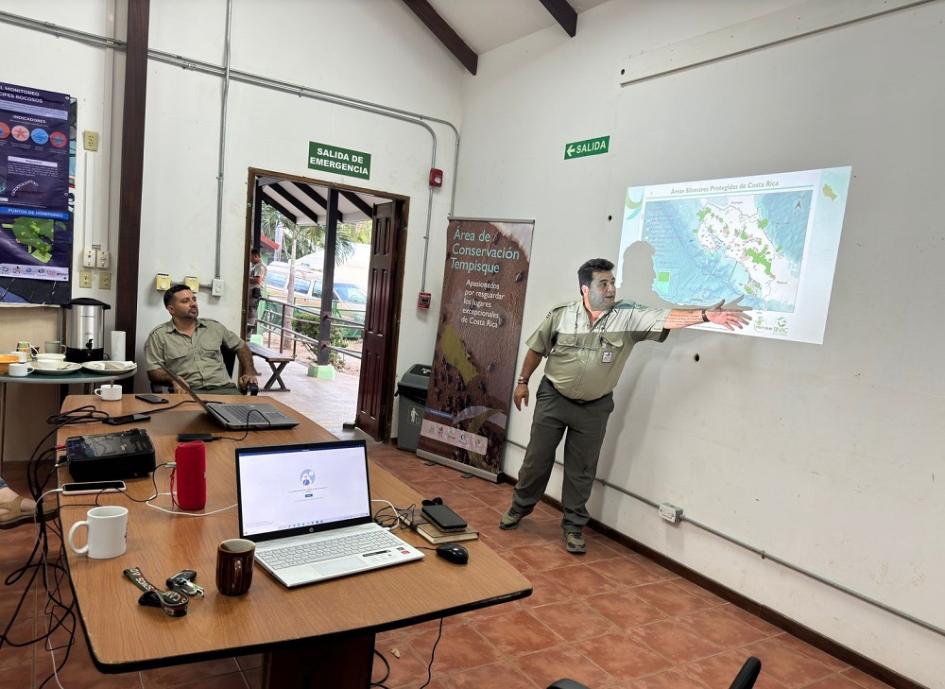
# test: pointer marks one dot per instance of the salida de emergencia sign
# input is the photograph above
(343, 161)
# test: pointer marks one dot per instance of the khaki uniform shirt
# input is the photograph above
(196, 358)
(585, 361)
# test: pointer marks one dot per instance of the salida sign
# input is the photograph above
(343, 161)
(588, 147)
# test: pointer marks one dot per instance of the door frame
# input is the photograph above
(401, 203)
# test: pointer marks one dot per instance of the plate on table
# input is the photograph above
(66, 368)
(110, 366)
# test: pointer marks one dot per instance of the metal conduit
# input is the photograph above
(265, 82)
(222, 153)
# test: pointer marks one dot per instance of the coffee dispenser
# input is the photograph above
(85, 330)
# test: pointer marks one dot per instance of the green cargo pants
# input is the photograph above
(586, 423)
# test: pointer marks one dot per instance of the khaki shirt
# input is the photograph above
(196, 358)
(585, 361)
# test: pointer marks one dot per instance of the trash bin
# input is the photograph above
(412, 390)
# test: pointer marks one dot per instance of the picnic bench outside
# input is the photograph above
(277, 363)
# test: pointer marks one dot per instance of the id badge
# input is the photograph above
(606, 356)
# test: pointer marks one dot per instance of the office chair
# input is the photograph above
(745, 679)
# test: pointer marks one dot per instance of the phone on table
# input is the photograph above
(127, 418)
(91, 487)
(151, 399)
(443, 518)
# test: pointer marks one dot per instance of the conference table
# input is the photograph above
(313, 636)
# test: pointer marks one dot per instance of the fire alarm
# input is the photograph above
(423, 300)
(436, 177)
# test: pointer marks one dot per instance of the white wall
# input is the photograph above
(828, 456)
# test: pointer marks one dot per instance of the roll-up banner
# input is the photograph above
(466, 416)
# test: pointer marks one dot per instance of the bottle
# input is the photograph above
(191, 458)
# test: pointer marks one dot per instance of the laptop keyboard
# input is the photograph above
(307, 553)
(241, 415)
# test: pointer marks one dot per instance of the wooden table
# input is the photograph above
(315, 636)
(272, 357)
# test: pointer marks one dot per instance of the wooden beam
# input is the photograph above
(328, 277)
(358, 202)
(563, 13)
(132, 175)
(307, 191)
(444, 32)
(282, 188)
(282, 209)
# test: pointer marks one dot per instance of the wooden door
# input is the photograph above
(376, 388)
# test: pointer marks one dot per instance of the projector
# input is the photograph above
(110, 456)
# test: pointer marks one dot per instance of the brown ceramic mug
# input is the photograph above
(235, 566)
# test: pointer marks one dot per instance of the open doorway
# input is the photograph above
(332, 359)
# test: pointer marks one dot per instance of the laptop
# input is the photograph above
(308, 509)
(238, 416)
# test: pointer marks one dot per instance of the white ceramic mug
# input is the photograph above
(18, 370)
(109, 393)
(108, 532)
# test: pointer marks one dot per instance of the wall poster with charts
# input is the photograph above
(37, 183)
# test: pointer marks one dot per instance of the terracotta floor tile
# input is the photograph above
(697, 590)
(670, 598)
(503, 675)
(623, 657)
(79, 672)
(248, 662)
(864, 680)
(544, 557)
(766, 627)
(16, 664)
(178, 675)
(673, 639)
(409, 667)
(802, 647)
(545, 589)
(629, 571)
(837, 681)
(517, 633)
(581, 579)
(720, 626)
(574, 620)
(461, 647)
(253, 678)
(786, 665)
(671, 679)
(719, 671)
(625, 609)
(551, 664)
(233, 680)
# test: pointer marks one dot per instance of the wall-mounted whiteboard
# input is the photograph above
(770, 239)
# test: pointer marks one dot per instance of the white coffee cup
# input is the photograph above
(18, 370)
(22, 357)
(109, 393)
(108, 532)
(50, 356)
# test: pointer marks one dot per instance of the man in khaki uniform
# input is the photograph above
(190, 347)
(587, 343)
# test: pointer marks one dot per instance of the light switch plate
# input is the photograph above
(162, 282)
(85, 278)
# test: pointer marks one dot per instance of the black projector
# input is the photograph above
(110, 456)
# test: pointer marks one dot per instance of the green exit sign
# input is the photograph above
(588, 147)
(344, 161)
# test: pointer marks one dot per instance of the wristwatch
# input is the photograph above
(522, 380)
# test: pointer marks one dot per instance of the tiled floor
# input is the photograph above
(611, 619)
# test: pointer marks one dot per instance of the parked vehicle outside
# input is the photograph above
(349, 300)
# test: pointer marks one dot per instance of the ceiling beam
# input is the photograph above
(444, 32)
(563, 13)
(289, 215)
(358, 202)
(307, 190)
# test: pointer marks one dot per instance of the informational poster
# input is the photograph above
(770, 240)
(466, 417)
(36, 167)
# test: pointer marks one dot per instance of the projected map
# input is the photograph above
(771, 240)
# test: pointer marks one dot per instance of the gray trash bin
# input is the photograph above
(412, 390)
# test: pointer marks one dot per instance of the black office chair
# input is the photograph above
(745, 679)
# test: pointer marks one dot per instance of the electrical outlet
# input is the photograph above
(192, 282)
(670, 513)
(162, 282)
(90, 140)
(216, 287)
(104, 280)
(102, 259)
(89, 257)
(85, 278)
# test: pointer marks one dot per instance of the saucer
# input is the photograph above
(110, 366)
(67, 368)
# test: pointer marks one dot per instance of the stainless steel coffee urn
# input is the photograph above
(85, 330)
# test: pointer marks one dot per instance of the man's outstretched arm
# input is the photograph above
(731, 316)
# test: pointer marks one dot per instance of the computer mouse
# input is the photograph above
(453, 552)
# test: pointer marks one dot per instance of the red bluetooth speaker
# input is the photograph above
(191, 473)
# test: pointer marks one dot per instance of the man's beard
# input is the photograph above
(598, 302)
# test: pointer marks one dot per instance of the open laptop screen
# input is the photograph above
(291, 490)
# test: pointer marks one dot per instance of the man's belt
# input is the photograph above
(580, 402)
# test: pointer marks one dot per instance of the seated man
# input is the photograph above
(190, 347)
